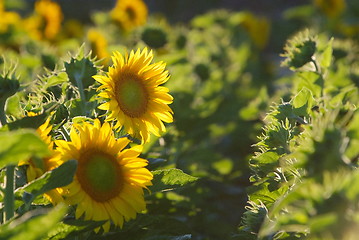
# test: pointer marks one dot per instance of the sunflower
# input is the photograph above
(258, 28)
(129, 14)
(136, 100)
(331, 8)
(7, 19)
(46, 22)
(36, 168)
(109, 181)
(98, 44)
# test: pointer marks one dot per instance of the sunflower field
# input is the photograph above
(179, 120)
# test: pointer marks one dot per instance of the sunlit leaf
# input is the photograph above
(170, 179)
(33, 225)
(20, 145)
(327, 55)
(59, 177)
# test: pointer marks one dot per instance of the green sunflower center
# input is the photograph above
(132, 96)
(99, 175)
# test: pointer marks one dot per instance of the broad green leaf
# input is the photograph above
(58, 177)
(321, 222)
(33, 225)
(265, 162)
(169, 179)
(327, 55)
(20, 145)
(72, 229)
(312, 81)
(56, 79)
(81, 68)
(28, 122)
(303, 102)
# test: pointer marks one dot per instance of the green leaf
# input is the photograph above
(28, 122)
(327, 55)
(72, 229)
(55, 79)
(312, 81)
(303, 102)
(81, 68)
(321, 222)
(20, 145)
(33, 225)
(170, 179)
(60, 176)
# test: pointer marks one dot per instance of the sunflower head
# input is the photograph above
(258, 28)
(109, 181)
(134, 97)
(154, 37)
(46, 22)
(129, 14)
(299, 50)
(98, 44)
(331, 8)
(8, 19)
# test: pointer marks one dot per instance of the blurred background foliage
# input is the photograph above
(234, 77)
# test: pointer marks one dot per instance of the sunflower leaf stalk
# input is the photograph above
(9, 198)
(2, 112)
(78, 78)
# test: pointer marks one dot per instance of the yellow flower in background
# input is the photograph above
(109, 181)
(98, 44)
(52, 14)
(36, 169)
(258, 28)
(7, 19)
(46, 21)
(331, 8)
(129, 14)
(135, 98)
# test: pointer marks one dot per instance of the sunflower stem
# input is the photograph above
(2, 112)
(80, 86)
(9, 193)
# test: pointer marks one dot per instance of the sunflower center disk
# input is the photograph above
(132, 97)
(130, 13)
(99, 175)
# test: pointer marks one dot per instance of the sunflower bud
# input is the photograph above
(202, 71)
(154, 37)
(81, 68)
(8, 86)
(299, 50)
(49, 61)
(181, 41)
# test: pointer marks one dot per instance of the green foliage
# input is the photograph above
(80, 69)
(154, 37)
(255, 152)
(9, 85)
(302, 175)
(20, 145)
(33, 225)
(59, 177)
(169, 179)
